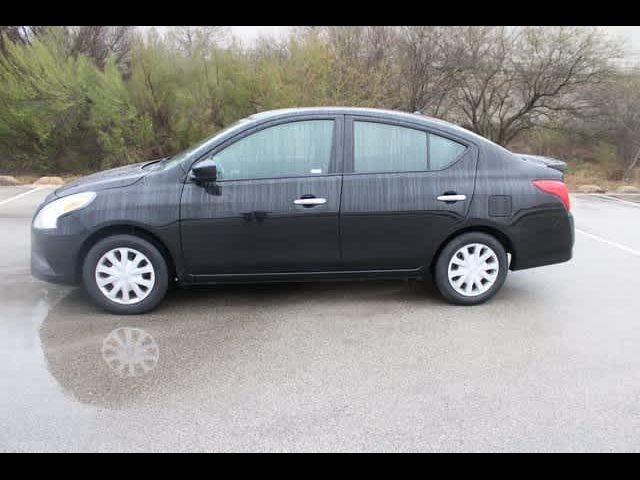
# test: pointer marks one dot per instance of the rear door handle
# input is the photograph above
(451, 198)
(310, 202)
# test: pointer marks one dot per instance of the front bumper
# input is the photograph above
(54, 256)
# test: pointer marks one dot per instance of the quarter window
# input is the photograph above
(443, 152)
(289, 150)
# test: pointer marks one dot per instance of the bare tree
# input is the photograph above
(363, 65)
(515, 78)
(99, 42)
(619, 117)
(202, 38)
(429, 67)
(23, 34)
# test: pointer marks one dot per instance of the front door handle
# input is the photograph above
(451, 198)
(310, 202)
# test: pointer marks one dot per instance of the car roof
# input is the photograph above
(331, 110)
(371, 112)
(376, 112)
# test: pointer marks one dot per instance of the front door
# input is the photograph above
(404, 188)
(274, 207)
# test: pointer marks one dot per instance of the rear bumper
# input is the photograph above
(542, 238)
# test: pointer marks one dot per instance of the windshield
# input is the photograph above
(173, 160)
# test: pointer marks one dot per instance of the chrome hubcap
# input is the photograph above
(473, 269)
(125, 276)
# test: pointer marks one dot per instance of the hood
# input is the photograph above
(113, 178)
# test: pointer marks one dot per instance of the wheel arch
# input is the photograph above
(498, 234)
(123, 229)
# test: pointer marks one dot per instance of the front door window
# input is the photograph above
(293, 149)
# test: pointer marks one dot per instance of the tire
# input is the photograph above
(486, 277)
(145, 274)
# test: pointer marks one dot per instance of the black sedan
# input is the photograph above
(308, 194)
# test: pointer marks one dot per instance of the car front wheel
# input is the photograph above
(125, 274)
(471, 269)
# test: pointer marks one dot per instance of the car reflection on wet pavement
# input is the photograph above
(227, 327)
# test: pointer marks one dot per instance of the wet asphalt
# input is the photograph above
(552, 363)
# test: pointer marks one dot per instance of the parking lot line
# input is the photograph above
(15, 197)
(627, 202)
(609, 242)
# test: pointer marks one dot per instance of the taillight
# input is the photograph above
(557, 188)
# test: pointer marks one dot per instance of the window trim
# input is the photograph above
(335, 160)
(349, 144)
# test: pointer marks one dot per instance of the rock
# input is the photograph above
(628, 189)
(8, 181)
(591, 189)
(49, 181)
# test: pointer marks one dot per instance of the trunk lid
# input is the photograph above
(554, 163)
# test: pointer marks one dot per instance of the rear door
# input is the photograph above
(404, 187)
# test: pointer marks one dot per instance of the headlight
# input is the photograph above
(48, 216)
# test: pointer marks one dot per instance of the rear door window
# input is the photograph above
(379, 147)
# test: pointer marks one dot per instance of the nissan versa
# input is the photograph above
(303, 194)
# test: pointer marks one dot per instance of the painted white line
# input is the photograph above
(627, 202)
(20, 195)
(617, 194)
(623, 194)
(609, 242)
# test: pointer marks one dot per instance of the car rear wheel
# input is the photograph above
(125, 274)
(471, 269)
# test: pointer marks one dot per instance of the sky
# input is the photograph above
(248, 33)
(630, 33)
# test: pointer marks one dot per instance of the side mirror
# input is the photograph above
(205, 171)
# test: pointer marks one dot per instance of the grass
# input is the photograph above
(30, 178)
(583, 173)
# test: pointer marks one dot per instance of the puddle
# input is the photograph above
(192, 339)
